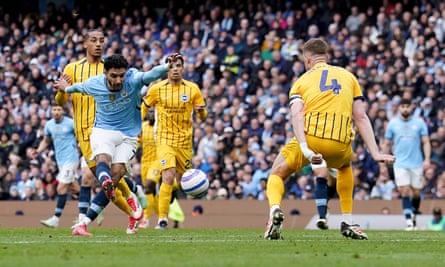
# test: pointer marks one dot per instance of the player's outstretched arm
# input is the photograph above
(364, 126)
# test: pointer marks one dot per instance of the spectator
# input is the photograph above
(437, 223)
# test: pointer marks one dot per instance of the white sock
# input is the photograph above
(86, 220)
(81, 216)
(272, 209)
(347, 217)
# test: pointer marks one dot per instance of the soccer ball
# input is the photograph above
(195, 183)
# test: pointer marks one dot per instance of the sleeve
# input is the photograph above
(150, 98)
(154, 74)
(388, 132)
(46, 130)
(357, 89)
(423, 128)
(76, 88)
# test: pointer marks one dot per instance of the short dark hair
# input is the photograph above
(116, 61)
(90, 31)
(405, 101)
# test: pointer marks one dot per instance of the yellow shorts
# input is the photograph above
(337, 155)
(150, 171)
(170, 157)
(291, 152)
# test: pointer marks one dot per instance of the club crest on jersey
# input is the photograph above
(185, 98)
(163, 162)
(124, 93)
(112, 97)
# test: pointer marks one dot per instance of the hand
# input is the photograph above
(60, 84)
(385, 158)
(34, 153)
(172, 58)
(65, 77)
(200, 108)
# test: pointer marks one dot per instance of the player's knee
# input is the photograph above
(118, 171)
(87, 180)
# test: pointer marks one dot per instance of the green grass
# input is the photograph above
(184, 247)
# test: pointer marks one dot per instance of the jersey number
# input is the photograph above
(334, 86)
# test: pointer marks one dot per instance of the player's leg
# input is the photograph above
(403, 182)
(66, 177)
(332, 183)
(345, 187)
(103, 145)
(150, 179)
(290, 155)
(88, 179)
(123, 154)
(321, 193)
(167, 155)
(99, 202)
(416, 186)
(323, 190)
(53, 221)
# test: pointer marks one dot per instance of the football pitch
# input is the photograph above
(216, 247)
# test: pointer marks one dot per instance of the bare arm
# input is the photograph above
(43, 144)
(297, 119)
(386, 146)
(366, 132)
(426, 151)
(364, 126)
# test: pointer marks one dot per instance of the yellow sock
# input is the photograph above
(165, 195)
(275, 190)
(152, 205)
(345, 187)
(121, 203)
(123, 186)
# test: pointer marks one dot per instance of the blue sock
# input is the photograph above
(331, 191)
(102, 172)
(100, 201)
(415, 203)
(61, 201)
(321, 196)
(131, 184)
(407, 207)
(84, 199)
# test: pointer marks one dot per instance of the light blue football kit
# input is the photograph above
(64, 140)
(119, 111)
(407, 141)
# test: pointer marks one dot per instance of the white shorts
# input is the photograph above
(121, 148)
(68, 173)
(412, 177)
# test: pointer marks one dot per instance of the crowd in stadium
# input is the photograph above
(244, 57)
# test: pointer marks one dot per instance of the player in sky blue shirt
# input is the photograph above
(408, 136)
(119, 109)
(60, 131)
(117, 125)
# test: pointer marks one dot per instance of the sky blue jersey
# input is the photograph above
(407, 141)
(64, 140)
(119, 111)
